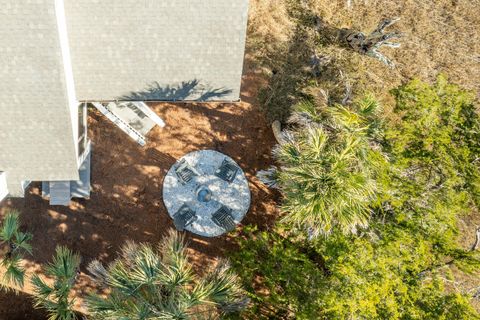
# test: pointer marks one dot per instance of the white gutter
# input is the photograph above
(3, 185)
(68, 70)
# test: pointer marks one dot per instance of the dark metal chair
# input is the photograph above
(184, 217)
(227, 171)
(185, 172)
(224, 219)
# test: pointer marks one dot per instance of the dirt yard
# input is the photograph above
(126, 200)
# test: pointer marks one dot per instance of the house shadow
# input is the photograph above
(18, 306)
(193, 90)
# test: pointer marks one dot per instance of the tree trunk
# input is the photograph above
(277, 132)
(476, 244)
(365, 44)
(474, 247)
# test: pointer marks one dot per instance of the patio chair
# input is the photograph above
(224, 219)
(184, 217)
(227, 171)
(185, 172)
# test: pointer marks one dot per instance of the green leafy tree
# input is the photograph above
(17, 243)
(64, 269)
(145, 284)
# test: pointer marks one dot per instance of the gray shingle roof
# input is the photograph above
(121, 50)
(36, 139)
(157, 49)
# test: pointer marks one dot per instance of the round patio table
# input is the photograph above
(196, 182)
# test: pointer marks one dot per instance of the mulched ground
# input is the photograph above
(126, 200)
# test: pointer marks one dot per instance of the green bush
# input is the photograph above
(283, 283)
(436, 143)
(419, 172)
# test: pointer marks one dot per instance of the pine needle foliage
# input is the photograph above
(55, 298)
(17, 244)
(148, 284)
(408, 263)
(437, 141)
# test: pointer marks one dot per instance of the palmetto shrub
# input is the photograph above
(148, 284)
(55, 298)
(17, 244)
(328, 164)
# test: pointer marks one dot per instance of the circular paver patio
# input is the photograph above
(204, 192)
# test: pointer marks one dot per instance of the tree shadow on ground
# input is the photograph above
(18, 306)
(186, 90)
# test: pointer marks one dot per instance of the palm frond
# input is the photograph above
(14, 272)
(98, 272)
(147, 266)
(368, 106)
(327, 181)
(64, 265)
(10, 226)
(268, 177)
(41, 290)
(222, 285)
(55, 299)
(103, 307)
(119, 278)
(304, 113)
(145, 284)
(176, 271)
(17, 242)
(22, 241)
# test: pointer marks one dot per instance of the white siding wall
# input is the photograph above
(3, 185)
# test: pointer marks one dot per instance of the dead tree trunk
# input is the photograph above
(359, 42)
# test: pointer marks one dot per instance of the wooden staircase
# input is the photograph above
(125, 127)
(60, 193)
(134, 118)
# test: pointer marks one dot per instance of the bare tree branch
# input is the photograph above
(476, 244)
(360, 42)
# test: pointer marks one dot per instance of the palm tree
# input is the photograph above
(148, 284)
(55, 299)
(17, 244)
(328, 163)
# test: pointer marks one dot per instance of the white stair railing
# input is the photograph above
(149, 112)
(84, 155)
(125, 127)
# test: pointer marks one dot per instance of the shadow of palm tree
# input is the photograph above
(18, 305)
(192, 90)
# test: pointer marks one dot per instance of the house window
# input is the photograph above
(82, 129)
